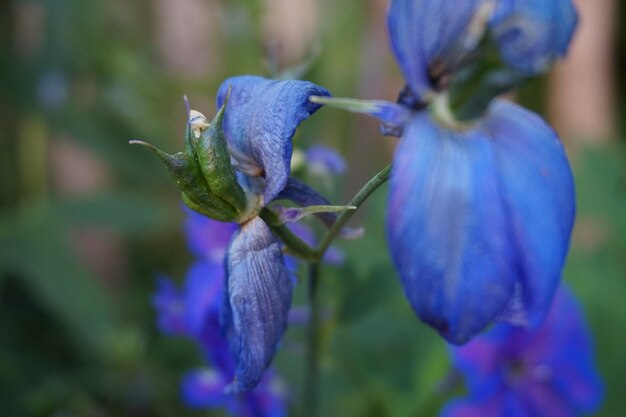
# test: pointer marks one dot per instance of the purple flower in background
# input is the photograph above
(325, 161)
(546, 372)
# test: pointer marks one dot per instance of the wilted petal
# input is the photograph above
(259, 292)
(432, 38)
(448, 230)
(533, 33)
(261, 118)
(537, 189)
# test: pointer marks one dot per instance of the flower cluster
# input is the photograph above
(547, 372)
(481, 202)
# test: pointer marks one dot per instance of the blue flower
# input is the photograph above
(432, 39)
(230, 169)
(195, 312)
(479, 220)
(324, 161)
(480, 212)
(259, 123)
(547, 372)
(531, 34)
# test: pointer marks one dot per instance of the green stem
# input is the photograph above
(312, 355)
(294, 244)
(367, 190)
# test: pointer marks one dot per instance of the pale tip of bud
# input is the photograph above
(198, 122)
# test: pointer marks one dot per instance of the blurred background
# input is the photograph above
(87, 222)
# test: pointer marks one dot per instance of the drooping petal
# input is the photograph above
(259, 293)
(448, 230)
(261, 118)
(537, 189)
(531, 34)
(432, 38)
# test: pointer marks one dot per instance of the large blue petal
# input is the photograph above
(448, 230)
(533, 33)
(261, 119)
(432, 38)
(259, 293)
(538, 191)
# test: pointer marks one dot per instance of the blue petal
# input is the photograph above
(537, 188)
(259, 293)
(448, 230)
(432, 38)
(261, 119)
(533, 33)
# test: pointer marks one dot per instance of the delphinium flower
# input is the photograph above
(516, 372)
(194, 312)
(229, 171)
(480, 209)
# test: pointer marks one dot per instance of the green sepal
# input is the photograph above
(184, 169)
(214, 161)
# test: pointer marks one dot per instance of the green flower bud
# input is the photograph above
(211, 150)
(184, 169)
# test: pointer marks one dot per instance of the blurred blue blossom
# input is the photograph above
(324, 161)
(432, 39)
(547, 372)
(480, 211)
(531, 34)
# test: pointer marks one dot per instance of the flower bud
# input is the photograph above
(211, 151)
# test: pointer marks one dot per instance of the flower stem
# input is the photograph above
(294, 244)
(363, 194)
(312, 355)
(310, 394)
